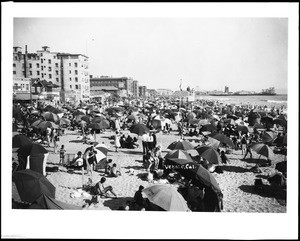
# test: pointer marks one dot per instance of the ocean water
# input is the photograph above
(276, 101)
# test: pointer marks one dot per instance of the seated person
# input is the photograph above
(129, 142)
(135, 144)
(114, 171)
(99, 188)
(123, 141)
(77, 161)
(108, 167)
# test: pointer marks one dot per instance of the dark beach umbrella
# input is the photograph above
(262, 149)
(267, 119)
(98, 119)
(280, 122)
(20, 141)
(78, 112)
(44, 124)
(199, 173)
(258, 126)
(50, 116)
(208, 127)
(268, 136)
(231, 116)
(281, 166)
(194, 121)
(31, 185)
(223, 139)
(36, 123)
(181, 145)
(52, 109)
(209, 153)
(242, 128)
(46, 202)
(139, 129)
(103, 124)
(180, 157)
(32, 149)
(86, 118)
(63, 122)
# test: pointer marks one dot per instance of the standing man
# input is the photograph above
(145, 137)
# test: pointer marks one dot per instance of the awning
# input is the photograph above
(24, 96)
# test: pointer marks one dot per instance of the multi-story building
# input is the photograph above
(142, 91)
(59, 75)
(164, 91)
(115, 85)
(135, 88)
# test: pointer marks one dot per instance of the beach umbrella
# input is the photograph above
(99, 154)
(267, 119)
(50, 116)
(214, 142)
(132, 117)
(50, 108)
(223, 139)
(102, 147)
(262, 149)
(20, 141)
(280, 122)
(232, 116)
(268, 136)
(166, 197)
(44, 124)
(98, 119)
(46, 202)
(157, 123)
(78, 112)
(281, 167)
(86, 118)
(139, 129)
(180, 157)
(193, 121)
(181, 145)
(203, 122)
(36, 123)
(208, 127)
(31, 185)
(209, 153)
(63, 121)
(229, 122)
(259, 126)
(241, 128)
(103, 124)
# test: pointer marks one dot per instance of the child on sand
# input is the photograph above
(62, 152)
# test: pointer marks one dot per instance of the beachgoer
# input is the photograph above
(117, 141)
(101, 190)
(48, 133)
(78, 161)
(62, 152)
(108, 167)
(145, 137)
(138, 198)
(114, 171)
(248, 150)
(244, 144)
(55, 141)
(224, 158)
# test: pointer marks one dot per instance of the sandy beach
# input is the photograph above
(236, 182)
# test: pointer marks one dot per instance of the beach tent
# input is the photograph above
(46, 202)
(34, 157)
(31, 185)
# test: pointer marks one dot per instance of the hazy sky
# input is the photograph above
(242, 53)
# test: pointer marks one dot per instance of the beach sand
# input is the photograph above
(236, 182)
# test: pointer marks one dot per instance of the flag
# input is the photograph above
(180, 85)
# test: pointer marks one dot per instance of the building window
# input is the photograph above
(49, 61)
(76, 72)
(56, 64)
(49, 68)
(41, 60)
(57, 80)
(42, 54)
(76, 64)
(30, 65)
(38, 72)
(69, 64)
(70, 86)
(27, 86)
(56, 72)
(23, 73)
(42, 68)
(14, 72)
(70, 71)
(70, 79)
(14, 65)
(76, 87)
(30, 72)
(76, 79)
(50, 76)
(37, 65)
(42, 75)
